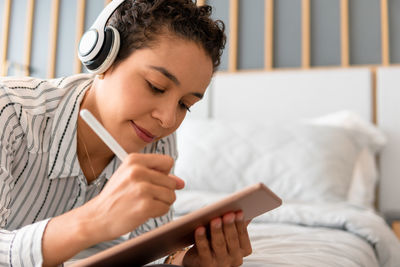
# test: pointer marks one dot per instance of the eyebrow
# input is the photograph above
(198, 95)
(166, 73)
(173, 78)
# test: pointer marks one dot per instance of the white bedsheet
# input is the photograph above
(312, 234)
(294, 245)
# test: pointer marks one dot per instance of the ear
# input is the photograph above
(108, 71)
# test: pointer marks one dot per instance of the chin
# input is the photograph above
(135, 147)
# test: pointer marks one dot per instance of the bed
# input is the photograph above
(309, 136)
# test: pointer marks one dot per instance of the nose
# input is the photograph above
(166, 114)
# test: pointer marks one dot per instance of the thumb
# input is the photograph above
(179, 182)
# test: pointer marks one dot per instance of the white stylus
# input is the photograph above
(103, 134)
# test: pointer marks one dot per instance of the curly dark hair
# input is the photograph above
(140, 21)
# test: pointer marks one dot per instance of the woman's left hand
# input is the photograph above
(227, 245)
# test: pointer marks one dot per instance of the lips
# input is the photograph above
(143, 133)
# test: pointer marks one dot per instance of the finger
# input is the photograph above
(155, 208)
(232, 240)
(218, 243)
(179, 182)
(144, 174)
(162, 194)
(202, 245)
(243, 236)
(150, 192)
(161, 163)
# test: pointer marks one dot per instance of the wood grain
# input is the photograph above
(51, 68)
(28, 36)
(344, 33)
(385, 33)
(269, 35)
(5, 35)
(233, 35)
(80, 27)
(305, 34)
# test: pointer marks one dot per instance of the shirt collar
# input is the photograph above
(63, 160)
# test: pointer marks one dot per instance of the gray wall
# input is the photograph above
(365, 47)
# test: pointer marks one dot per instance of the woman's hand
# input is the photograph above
(227, 245)
(140, 189)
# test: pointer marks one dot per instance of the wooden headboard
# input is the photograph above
(82, 17)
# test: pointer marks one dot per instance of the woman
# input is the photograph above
(63, 190)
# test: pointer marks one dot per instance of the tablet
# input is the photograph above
(162, 241)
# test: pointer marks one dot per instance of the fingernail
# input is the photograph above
(201, 231)
(230, 218)
(239, 216)
(217, 223)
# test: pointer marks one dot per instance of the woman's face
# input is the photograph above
(147, 96)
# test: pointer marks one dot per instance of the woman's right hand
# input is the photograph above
(140, 189)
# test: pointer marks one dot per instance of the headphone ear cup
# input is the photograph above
(107, 53)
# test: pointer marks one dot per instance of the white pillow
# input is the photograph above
(299, 162)
(375, 138)
(365, 173)
(362, 189)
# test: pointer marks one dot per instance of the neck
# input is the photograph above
(93, 154)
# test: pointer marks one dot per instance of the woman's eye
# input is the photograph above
(155, 89)
(160, 91)
(184, 106)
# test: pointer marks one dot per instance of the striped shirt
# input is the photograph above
(40, 176)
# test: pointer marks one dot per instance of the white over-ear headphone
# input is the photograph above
(99, 46)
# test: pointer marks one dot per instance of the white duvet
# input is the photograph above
(317, 234)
